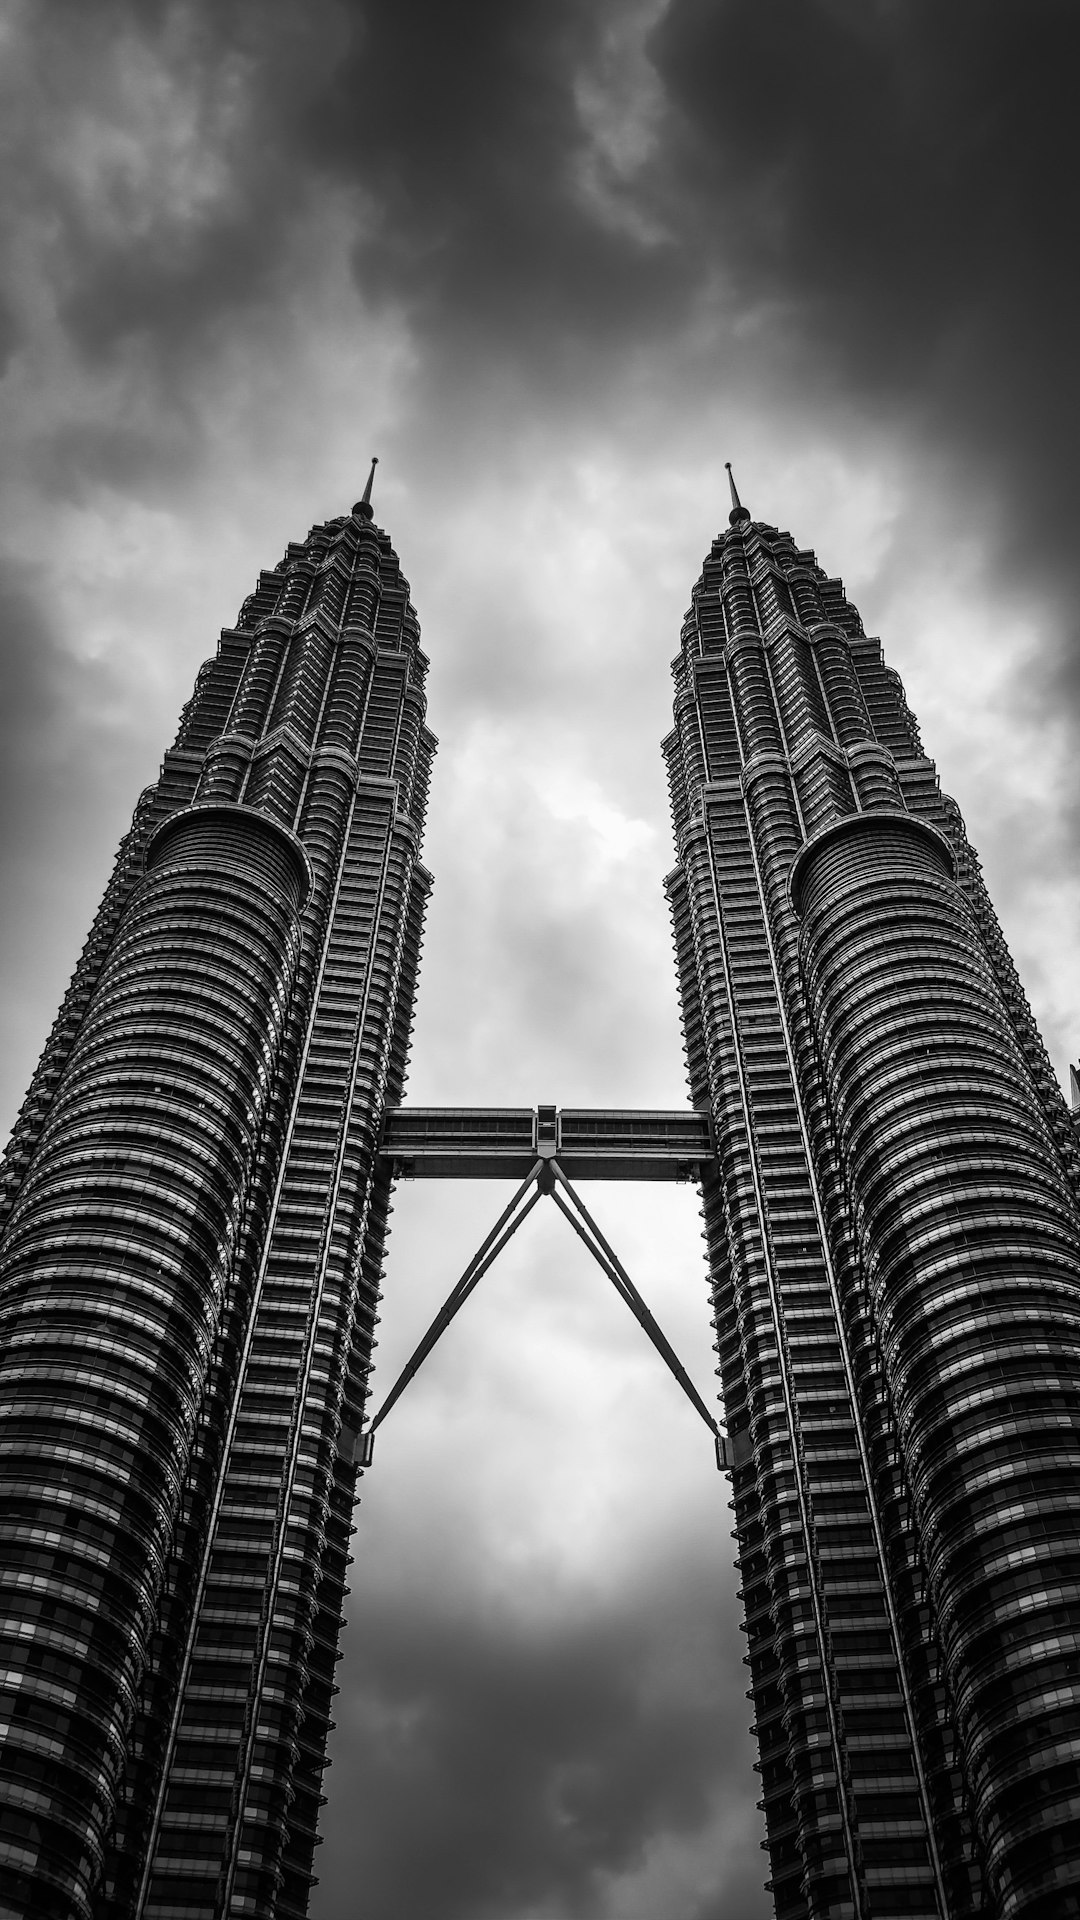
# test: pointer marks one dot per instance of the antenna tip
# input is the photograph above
(738, 512)
(362, 507)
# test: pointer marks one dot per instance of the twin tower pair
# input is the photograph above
(193, 1214)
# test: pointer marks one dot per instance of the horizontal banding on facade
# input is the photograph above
(882, 831)
(970, 1245)
(239, 837)
(113, 1271)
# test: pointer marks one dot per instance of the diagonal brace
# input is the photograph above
(504, 1229)
(545, 1177)
(587, 1230)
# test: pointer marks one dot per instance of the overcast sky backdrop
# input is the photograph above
(554, 261)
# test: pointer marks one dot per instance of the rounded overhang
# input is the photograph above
(232, 815)
(862, 824)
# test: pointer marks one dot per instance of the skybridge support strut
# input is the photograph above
(453, 1147)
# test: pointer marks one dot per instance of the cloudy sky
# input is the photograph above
(554, 261)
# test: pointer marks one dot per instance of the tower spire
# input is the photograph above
(738, 512)
(363, 508)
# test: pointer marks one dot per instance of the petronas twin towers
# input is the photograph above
(193, 1213)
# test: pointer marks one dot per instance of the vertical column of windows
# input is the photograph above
(418, 800)
(708, 634)
(751, 1387)
(736, 593)
(716, 721)
(805, 1363)
(847, 707)
(299, 697)
(216, 1702)
(362, 606)
(331, 590)
(775, 603)
(383, 717)
(328, 1342)
(343, 1331)
(392, 617)
(258, 688)
(297, 589)
(347, 696)
(279, 767)
(275, 779)
(691, 756)
(802, 583)
(772, 1551)
(756, 718)
(678, 794)
(694, 1048)
(798, 692)
(412, 754)
(888, 1706)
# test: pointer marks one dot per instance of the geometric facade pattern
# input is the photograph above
(192, 1221)
(894, 1235)
(189, 1271)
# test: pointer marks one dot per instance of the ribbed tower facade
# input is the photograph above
(193, 1223)
(894, 1240)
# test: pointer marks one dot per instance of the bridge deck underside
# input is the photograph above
(504, 1143)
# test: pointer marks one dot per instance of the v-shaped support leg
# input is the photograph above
(489, 1250)
(574, 1209)
(545, 1177)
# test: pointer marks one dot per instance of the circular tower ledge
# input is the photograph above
(248, 820)
(867, 824)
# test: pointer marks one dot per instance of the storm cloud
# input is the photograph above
(554, 261)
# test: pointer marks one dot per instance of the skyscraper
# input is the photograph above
(191, 1235)
(894, 1241)
(193, 1218)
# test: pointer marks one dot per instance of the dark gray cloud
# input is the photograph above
(897, 181)
(902, 180)
(505, 1768)
(892, 187)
